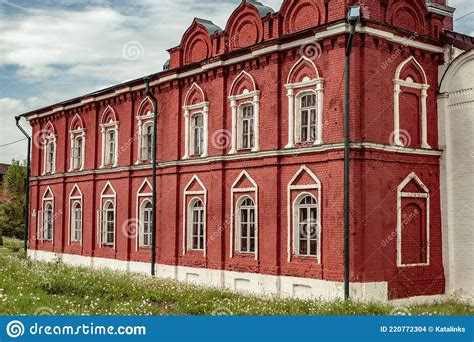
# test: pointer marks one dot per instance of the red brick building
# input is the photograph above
(250, 152)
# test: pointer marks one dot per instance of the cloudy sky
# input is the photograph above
(51, 51)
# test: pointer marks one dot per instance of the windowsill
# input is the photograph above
(245, 256)
(306, 257)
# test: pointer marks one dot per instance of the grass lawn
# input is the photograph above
(28, 287)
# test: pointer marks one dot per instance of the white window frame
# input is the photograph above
(189, 111)
(235, 191)
(144, 210)
(315, 85)
(144, 119)
(48, 199)
(142, 197)
(298, 120)
(74, 135)
(409, 83)
(250, 139)
(188, 197)
(297, 228)
(101, 220)
(246, 96)
(106, 128)
(238, 223)
(72, 201)
(418, 195)
(191, 210)
(49, 139)
(194, 151)
(146, 143)
(302, 190)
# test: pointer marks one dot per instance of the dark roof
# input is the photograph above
(209, 25)
(3, 168)
(459, 40)
(261, 8)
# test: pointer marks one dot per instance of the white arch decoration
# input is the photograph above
(293, 106)
(290, 206)
(234, 190)
(398, 83)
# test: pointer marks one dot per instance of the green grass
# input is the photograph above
(28, 287)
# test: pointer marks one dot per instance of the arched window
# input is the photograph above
(110, 131)
(108, 224)
(305, 92)
(48, 141)
(196, 221)
(196, 117)
(246, 226)
(77, 137)
(48, 220)
(306, 234)
(245, 106)
(76, 222)
(307, 118)
(197, 131)
(147, 142)
(146, 222)
(247, 127)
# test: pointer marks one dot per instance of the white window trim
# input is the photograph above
(73, 135)
(400, 195)
(252, 97)
(398, 83)
(40, 228)
(105, 128)
(142, 121)
(238, 225)
(190, 110)
(142, 128)
(190, 224)
(141, 197)
(72, 201)
(291, 206)
(233, 208)
(293, 105)
(103, 200)
(50, 138)
(141, 236)
(296, 226)
(185, 213)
